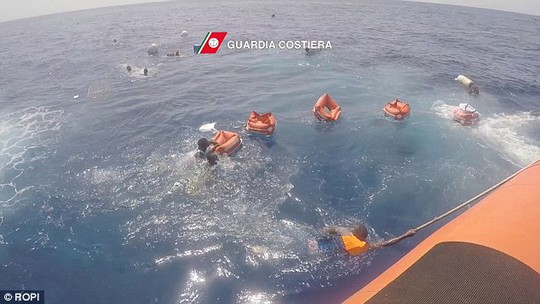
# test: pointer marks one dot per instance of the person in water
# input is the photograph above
(145, 72)
(175, 54)
(129, 68)
(473, 90)
(205, 150)
(342, 240)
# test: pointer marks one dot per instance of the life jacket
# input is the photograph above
(353, 245)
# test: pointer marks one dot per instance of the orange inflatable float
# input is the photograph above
(465, 114)
(484, 255)
(261, 123)
(228, 142)
(326, 108)
(397, 109)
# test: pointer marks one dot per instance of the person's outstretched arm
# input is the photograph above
(337, 230)
(392, 241)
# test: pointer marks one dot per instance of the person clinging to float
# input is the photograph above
(342, 240)
(205, 150)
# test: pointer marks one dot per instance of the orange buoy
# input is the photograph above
(228, 142)
(465, 114)
(261, 123)
(326, 108)
(397, 109)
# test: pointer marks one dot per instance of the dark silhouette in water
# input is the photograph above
(129, 68)
(145, 72)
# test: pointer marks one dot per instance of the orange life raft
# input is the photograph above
(465, 114)
(261, 123)
(326, 108)
(228, 142)
(397, 109)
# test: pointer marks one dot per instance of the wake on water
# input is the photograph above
(501, 133)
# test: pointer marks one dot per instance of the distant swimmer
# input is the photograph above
(312, 51)
(273, 15)
(129, 68)
(342, 240)
(114, 41)
(474, 90)
(177, 53)
(145, 72)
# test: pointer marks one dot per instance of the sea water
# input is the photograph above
(101, 200)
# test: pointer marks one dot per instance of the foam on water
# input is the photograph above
(25, 136)
(501, 132)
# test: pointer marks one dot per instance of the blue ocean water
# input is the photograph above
(101, 200)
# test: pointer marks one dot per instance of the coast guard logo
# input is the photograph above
(211, 43)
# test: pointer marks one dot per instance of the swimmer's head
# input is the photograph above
(203, 143)
(129, 68)
(212, 159)
(145, 71)
(360, 232)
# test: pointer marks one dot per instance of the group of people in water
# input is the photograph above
(336, 240)
(205, 151)
(174, 54)
(145, 71)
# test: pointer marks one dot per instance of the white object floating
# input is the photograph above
(467, 107)
(184, 34)
(464, 81)
(76, 96)
(153, 49)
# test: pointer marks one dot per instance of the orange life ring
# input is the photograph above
(326, 108)
(228, 142)
(397, 109)
(261, 123)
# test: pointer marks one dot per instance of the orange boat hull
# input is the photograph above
(504, 223)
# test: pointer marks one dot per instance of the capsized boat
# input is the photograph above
(261, 123)
(326, 108)
(465, 114)
(397, 109)
(228, 142)
(488, 254)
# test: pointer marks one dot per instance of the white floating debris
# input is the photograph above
(184, 34)
(76, 96)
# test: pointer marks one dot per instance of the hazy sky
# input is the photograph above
(17, 9)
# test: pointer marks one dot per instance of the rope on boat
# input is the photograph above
(413, 231)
